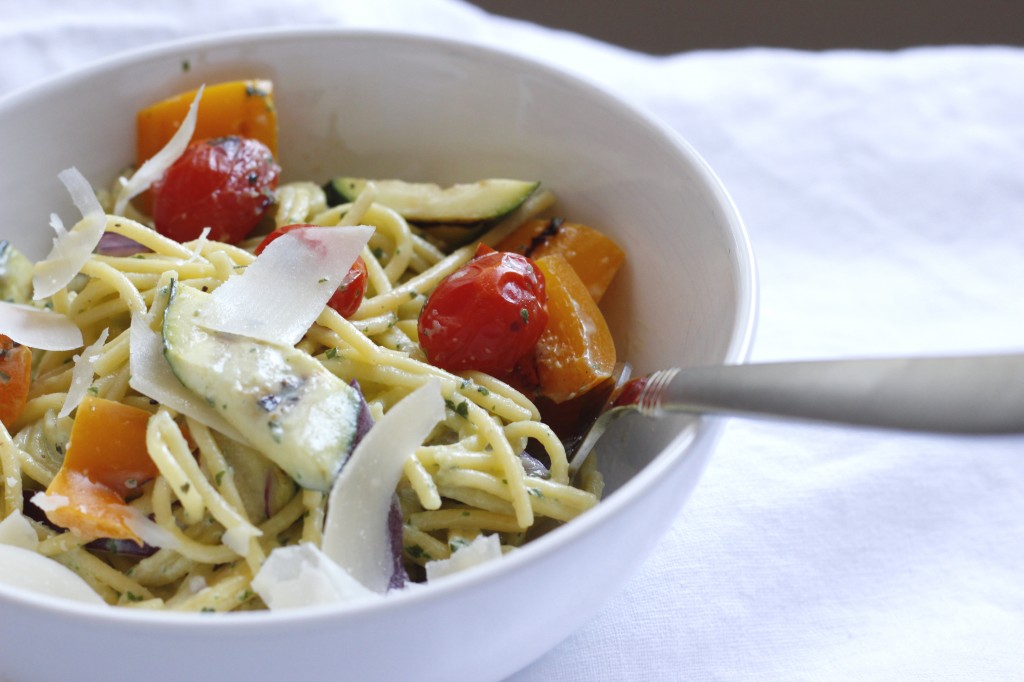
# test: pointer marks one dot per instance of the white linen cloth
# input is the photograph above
(884, 197)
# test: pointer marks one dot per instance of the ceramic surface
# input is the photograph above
(373, 104)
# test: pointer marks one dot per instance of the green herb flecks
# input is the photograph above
(417, 552)
(461, 409)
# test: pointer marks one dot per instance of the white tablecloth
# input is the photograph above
(884, 196)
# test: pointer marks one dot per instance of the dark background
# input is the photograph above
(667, 26)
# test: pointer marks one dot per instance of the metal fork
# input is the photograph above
(981, 394)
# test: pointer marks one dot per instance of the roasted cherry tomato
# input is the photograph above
(350, 292)
(485, 315)
(224, 183)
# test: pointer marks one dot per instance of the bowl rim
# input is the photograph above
(702, 428)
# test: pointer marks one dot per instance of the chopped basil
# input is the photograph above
(462, 409)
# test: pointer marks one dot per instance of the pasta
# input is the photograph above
(218, 507)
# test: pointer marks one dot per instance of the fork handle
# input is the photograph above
(960, 394)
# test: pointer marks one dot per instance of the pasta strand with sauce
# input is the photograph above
(220, 505)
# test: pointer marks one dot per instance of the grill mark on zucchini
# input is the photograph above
(289, 406)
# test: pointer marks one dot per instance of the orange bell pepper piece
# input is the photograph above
(106, 460)
(92, 510)
(594, 256)
(243, 107)
(15, 376)
(575, 352)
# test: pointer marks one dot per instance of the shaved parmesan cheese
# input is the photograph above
(152, 377)
(150, 532)
(155, 167)
(199, 244)
(483, 548)
(285, 289)
(23, 568)
(82, 374)
(70, 248)
(38, 328)
(49, 502)
(301, 575)
(17, 531)
(356, 528)
(57, 224)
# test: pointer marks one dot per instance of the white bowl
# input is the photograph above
(376, 104)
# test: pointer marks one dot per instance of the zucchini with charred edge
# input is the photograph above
(286, 403)
(461, 204)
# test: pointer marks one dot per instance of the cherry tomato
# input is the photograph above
(350, 292)
(224, 183)
(485, 315)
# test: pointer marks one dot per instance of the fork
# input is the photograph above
(968, 394)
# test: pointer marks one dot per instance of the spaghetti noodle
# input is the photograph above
(219, 507)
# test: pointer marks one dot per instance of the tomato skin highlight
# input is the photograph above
(485, 315)
(350, 292)
(224, 183)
